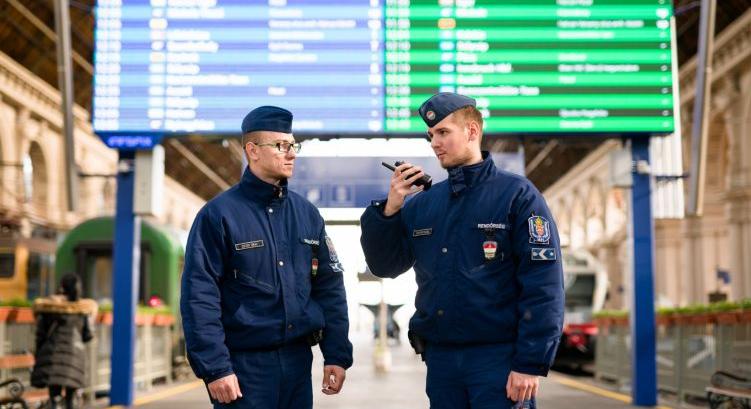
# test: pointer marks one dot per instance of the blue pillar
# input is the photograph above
(644, 372)
(127, 255)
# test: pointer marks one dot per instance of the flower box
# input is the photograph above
(728, 317)
(665, 320)
(144, 319)
(105, 318)
(22, 315)
(5, 313)
(163, 320)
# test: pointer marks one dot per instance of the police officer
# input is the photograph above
(487, 260)
(262, 283)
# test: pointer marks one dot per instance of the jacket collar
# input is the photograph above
(463, 177)
(261, 192)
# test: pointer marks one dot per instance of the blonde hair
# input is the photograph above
(463, 116)
(467, 114)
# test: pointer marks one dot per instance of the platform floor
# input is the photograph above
(403, 387)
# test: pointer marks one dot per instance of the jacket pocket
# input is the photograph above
(247, 280)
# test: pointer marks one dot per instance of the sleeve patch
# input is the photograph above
(539, 230)
(332, 250)
(543, 254)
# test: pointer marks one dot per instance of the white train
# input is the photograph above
(586, 286)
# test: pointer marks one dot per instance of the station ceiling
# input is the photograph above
(207, 166)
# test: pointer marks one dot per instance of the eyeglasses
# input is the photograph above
(282, 147)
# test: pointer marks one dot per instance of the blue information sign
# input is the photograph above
(359, 180)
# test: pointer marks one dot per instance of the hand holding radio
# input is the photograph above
(407, 179)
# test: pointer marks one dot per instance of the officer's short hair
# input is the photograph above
(464, 115)
(250, 137)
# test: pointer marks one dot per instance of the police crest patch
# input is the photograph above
(539, 230)
(332, 251)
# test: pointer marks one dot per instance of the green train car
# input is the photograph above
(87, 251)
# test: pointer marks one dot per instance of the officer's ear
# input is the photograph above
(247, 150)
(473, 131)
(250, 147)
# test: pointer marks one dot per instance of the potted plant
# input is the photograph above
(620, 318)
(602, 318)
(105, 314)
(665, 316)
(144, 315)
(163, 316)
(726, 313)
(22, 312)
(745, 315)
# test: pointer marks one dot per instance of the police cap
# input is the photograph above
(268, 118)
(441, 105)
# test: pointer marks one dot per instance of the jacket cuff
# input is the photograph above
(207, 380)
(380, 206)
(346, 364)
(528, 369)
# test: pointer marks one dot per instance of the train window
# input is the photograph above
(40, 275)
(579, 291)
(7, 265)
(98, 277)
(97, 267)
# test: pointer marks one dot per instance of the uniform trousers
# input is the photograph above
(273, 379)
(470, 376)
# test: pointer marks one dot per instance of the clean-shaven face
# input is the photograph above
(451, 142)
(269, 161)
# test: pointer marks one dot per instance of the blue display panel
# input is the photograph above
(195, 66)
(360, 180)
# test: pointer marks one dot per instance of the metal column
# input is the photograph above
(127, 256)
(643, 350)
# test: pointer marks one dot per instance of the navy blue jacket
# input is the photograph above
(249, 281)
(487, 260)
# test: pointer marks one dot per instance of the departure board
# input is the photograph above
(363, 67)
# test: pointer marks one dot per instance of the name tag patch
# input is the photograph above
(492, 226)
(422, 232)
(311, 242)
(249, 245)
(543, 254)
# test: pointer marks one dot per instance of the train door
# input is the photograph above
(94, 264)
(40, 273)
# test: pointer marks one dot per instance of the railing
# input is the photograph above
(153, 357)
(690, 348)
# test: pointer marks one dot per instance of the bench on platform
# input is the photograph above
(729, 390)
(17, 396)
(730, 398)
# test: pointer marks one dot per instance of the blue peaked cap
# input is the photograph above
(441, 105)
(268, 118)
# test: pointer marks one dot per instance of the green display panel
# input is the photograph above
(534, 66)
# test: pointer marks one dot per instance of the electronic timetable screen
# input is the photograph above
(363, 67)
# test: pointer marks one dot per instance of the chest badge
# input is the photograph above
(314, 260)
(490, 245)
(490, 248)
(539, 230)
(314, 267)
